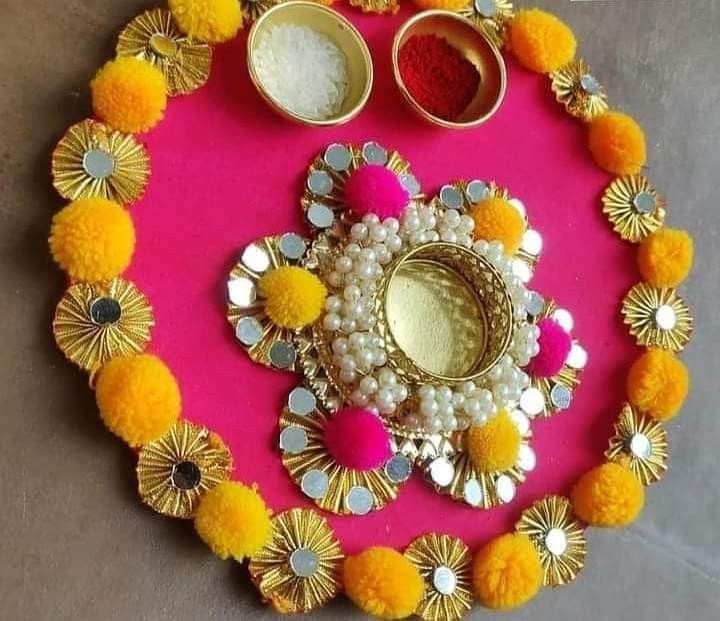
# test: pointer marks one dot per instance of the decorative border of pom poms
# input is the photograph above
(103, 324)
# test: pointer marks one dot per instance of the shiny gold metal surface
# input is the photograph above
(444, 563)
(619, 206)
(186, 449)
(383, 7)
(436, 318)
(276, 577)
(154, 37)
(567, 84)
(650, 463)
(90, 343)
(476, 46)
(558, 537)
(641, 310)
(474, 329)
(124, 181)
(493, 17)
(333, 25)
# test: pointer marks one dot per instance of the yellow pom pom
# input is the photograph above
(497, 219)
(210, 21)
(494, 445)
(92, 239)
(665, 257)
(138, 398)
(383, 583)
(507, 572)
(658, 383)
(294, 296)
(447, 5)
(233, 521)
(608, 495)
(540, 41)
(129, 94)
(617, 143)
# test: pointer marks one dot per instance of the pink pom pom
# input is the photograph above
(555, 346)
(372, 188)
(357, 439)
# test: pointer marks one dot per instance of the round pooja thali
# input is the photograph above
(422, 270)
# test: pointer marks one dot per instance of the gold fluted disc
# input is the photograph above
(657, 317)
(323, 198)
(557, 391)
(634, 207)
(154, 37)
(577, 89)
(175, 471)
(331, 486)
(641, 444)
(252, 9)
(492, 16)
(264, 341)
(558, 538)
(95, 322)
(444, 563)
(94, 160)
(299, 569)
(387, 7)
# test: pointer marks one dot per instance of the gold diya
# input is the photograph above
(475, 45)
(338, 30)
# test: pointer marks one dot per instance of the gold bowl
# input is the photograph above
(340, 31)
(474, 44)
(444, 313)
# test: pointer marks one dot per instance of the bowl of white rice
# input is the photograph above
(309, 63)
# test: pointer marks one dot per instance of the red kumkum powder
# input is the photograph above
(437, 75)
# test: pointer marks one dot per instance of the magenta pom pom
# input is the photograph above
(357, 439)
(555, 346)
(372, 188)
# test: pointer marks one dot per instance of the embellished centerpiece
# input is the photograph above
(412, 324)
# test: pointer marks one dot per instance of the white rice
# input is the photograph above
(302, 69)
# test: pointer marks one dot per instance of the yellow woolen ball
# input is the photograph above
(665, 257)
(658, 383)
(494, 445)
(92, 239)
(447, 5)
(383, 583)
(233, 521)
(617, 143)
(138, 398)
(540, 41)
(210, 21)
(507, 572)
(129, 94)
(294, 297)
(497, 220)
(609, 495)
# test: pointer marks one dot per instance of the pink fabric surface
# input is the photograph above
(227, 170)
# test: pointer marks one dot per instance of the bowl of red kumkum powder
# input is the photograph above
(447, 69)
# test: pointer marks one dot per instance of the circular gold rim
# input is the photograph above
(277, 106)
(417, 108)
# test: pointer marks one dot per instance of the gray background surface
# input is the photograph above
(75, 543)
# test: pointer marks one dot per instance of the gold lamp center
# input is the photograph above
(444, 313)
(436, 318)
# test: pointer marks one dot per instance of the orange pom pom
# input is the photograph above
(540, 41)
(494, 445)
(507, 572)
(496, 219)
(129, 94)
(658, 384)
(617, 143)
(138, 398)
(665, 257)
(383, 583)
(609, 495)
